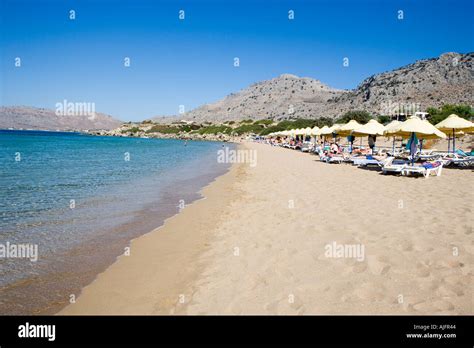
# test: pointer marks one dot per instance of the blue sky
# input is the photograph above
(190, 62)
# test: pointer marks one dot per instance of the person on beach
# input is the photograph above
(372, 143)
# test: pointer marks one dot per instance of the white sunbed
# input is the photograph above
(393, 168)
(463, 162)
(426, 172)
(364, 162)
(333, 159)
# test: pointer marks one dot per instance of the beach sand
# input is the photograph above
(257, 244)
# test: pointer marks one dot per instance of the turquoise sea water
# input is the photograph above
(80, 199)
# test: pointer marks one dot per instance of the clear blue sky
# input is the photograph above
(190, 62)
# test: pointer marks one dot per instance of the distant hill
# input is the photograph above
(448, 79)
(22, 117)
(282, 97)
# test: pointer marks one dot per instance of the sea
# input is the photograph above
(79, 199)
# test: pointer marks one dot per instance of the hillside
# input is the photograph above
(282, 97)
(22, 117)
(448, 79)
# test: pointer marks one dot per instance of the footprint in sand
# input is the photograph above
(369, 291)
(449, 290)
(443, 305)
(422, 271)
(377, 265)
(359, 267)
(406, 245)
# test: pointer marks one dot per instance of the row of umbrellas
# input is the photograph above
(412, 127)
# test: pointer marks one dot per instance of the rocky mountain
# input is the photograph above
(282, 97)
(22, 117)
(448, 79)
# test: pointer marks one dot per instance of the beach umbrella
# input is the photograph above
(314, 131)
(422, 128)
(415, 128)
(348, 128)
(324, 131)
(371, 128)
(390, 129)
(453, 123)
(335, 128)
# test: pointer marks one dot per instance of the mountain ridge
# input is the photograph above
(26, 117)
(431, 82)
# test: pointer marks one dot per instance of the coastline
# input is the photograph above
(167, 255)
(84, 242)
(255, 244)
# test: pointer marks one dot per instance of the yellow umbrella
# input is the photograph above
(314, 131)
(300, 131)
(422, 128)
(346, 129)
(390, 129)
(371, 128)
(324, 131)
(455, 124)
(335, 127)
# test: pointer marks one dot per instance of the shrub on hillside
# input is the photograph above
(360, 116)
(438, 115)
(248, 128)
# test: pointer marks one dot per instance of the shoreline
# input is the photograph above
(256, 244)
(173, 244)
(93, 247)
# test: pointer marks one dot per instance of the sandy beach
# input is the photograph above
(258, 242)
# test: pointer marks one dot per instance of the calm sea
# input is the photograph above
(80, 199)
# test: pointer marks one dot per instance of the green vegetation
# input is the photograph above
(248, 128)
(360, 116)
(438, 115)
(189, 127)
(164, 129)
(215, 130)
(264, 122)
(246, 121)
(383, 119)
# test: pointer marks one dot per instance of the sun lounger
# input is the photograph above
(463, 162)
(332, 159)
(426, 169)
(393, 166)
(371, 161)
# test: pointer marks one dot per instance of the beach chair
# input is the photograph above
(463, 162)
(426, 169)
(392, 166)
(335, 159)
(332, 159)
(365, 162)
